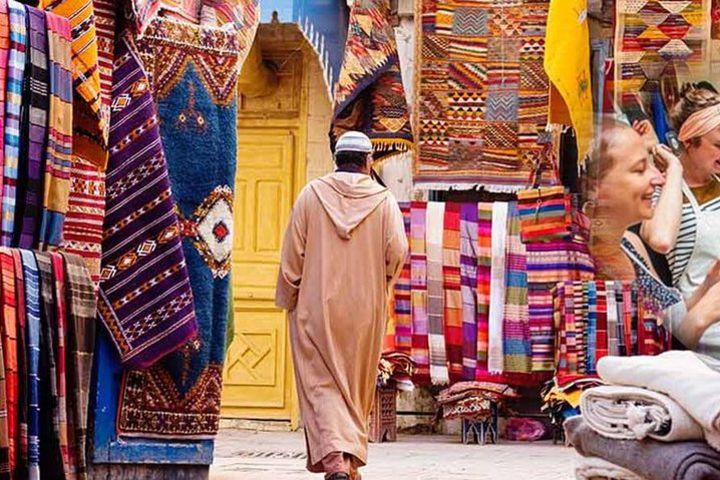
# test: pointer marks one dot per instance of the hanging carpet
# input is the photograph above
(655, 39)
(482, 93)
(369, 95)
(145, 298)
(193, 73)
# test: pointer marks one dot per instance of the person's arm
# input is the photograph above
(704, 314)
(292, 259)
(661, 231)
(396, 243)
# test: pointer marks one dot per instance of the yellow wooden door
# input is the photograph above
(258, 376)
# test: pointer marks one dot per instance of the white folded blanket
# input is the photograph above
(632, 413)
(680, 375)
(590, 468)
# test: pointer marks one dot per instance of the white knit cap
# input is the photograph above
(353, 142)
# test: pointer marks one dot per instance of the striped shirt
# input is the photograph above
(680, 255)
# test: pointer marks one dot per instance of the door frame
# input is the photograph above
(290, 42)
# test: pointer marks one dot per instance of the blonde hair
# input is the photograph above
(599, 161)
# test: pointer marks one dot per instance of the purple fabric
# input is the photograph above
(145, 297)
(468, 286)
(32, 157)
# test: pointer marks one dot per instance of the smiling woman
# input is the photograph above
(621, 181)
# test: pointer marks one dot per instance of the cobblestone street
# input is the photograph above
(247, 455)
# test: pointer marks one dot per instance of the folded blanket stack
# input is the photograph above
(396, 369)
(658, 417)
(648, 459)
(473, 400)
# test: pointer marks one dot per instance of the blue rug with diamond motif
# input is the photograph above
(193, 72)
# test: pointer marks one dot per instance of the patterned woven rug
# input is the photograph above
(369, 95)
(655, 37)
(482, 93)
(193, 74)
(715, 39)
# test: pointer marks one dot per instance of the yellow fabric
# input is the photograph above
(84, 52)
(567, 63)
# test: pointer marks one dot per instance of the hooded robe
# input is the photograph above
(343, 249)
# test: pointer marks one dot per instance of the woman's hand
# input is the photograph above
(711, 279)
(713, 276)
(701, 316)
(645, 129)
(665, 159)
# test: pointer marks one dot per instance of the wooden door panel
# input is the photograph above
(256, 365)
(264, 199)
(258, 372)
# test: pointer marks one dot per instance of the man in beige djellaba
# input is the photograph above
(343, 249)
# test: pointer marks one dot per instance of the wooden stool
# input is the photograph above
(383, 418)
(478, 431)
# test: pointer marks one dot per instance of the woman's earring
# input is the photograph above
(588, 207)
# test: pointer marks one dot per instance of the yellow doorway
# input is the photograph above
(272, 168)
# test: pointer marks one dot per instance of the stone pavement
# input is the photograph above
(248, 455)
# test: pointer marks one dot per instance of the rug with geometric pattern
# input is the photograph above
(656, 38)
(482, 93)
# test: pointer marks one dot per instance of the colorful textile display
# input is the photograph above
(34, 131)
(403, 311)
(243, 14)
(518, 429)
(81, 344)
(32, 305)
(657, 38)
(547, 264)
(595, 319)
(4, 53)
(83, 227)
(85, 51)
(484, 271)
(10, 349)
(369, 95)
(439, 374)
(497, 287)
(56, 181)
(561, 396)
(22, 362)
(468, 279)
(482, 93)
(13, 107)
(145, 298)
(46, 364)
(567, 64)
(419, 292)
(396, 370)
(516, 329)
(473, 399)
(545, 214)
(193, 74)
(714, 39)
(93, 28)
(453, 304)
(474, 286)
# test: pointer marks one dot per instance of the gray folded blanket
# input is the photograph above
(647, 458)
